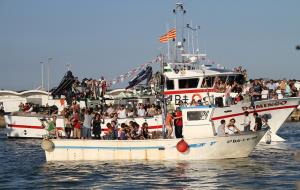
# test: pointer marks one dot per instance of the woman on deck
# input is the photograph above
(231, 128)
(97, 126)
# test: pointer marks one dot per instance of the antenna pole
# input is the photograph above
(192, 38)
(42, 69)
(49, 60)
(197, 33)
(179, 30)
(188, 40)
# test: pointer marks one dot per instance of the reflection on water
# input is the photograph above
(270, 167)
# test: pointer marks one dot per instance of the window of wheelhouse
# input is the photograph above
(240, 79)
(188, 83)
(223, 79)
(170, 84)
(231, 79)
(197, 115)
(208, 82)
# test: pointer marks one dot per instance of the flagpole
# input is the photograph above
(167, 28)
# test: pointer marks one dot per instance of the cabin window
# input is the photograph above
(223, 79)
(188, 83)
(208, 82)
(231, 79)
(197, 115)
(170, 84)
(240, 79)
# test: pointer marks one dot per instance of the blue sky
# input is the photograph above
(112, 37)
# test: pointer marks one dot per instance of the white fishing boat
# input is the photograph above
(200, 143)
(30, 126)
(188, 79)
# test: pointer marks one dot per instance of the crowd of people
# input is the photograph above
(86, 89)
(86, 123)
(257, 89)
(231, 128)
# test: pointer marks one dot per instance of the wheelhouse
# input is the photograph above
(194, 78)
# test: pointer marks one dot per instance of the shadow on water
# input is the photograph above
(269, 167)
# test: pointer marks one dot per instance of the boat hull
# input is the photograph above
(236, 146)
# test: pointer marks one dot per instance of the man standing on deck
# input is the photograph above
(257, 89)
(258, 122)
(76, 125)
(178, 123)
(247, 121)
(87, 124)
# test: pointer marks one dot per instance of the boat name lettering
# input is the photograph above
(185, 99)
(266, 105)
(241, 140)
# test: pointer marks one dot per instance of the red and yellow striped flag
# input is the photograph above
(169, 35)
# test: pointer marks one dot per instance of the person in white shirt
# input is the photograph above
(232, 129)
(122, 112)
(141, 111)
(247, 121)
(221, 128)
(110, 110)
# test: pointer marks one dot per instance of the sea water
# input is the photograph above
(274, 166)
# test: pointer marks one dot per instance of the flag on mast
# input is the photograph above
(169, 35)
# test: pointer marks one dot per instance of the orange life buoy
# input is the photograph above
(198, 95)
(182, 146)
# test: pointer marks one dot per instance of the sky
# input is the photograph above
(108, 38)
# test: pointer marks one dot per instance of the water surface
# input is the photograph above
(23, 166)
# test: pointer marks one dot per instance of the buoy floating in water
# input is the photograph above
(182, 146)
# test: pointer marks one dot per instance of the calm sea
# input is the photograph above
(23, 166)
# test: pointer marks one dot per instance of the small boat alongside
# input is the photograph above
(200, 142)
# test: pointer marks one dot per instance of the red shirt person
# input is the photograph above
(178, 123)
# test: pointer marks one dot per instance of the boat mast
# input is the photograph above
(179, 12)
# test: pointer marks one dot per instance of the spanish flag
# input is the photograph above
(169, 35)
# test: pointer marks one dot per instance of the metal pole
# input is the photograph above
(49, 59)
(42, 65)
(163, 100)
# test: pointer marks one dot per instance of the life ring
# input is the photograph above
(182, 146)
(47, 145)
(198, 95)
